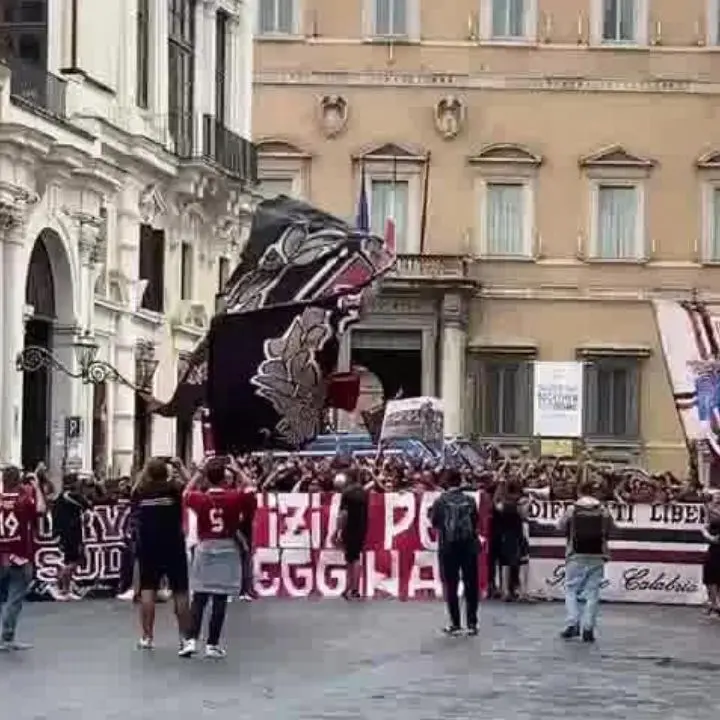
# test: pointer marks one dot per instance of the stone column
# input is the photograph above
(454, 347)
(88, 249)
(14, 277)
(7, 363)
(123, 419)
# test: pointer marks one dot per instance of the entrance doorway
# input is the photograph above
(395, 358)
(37, 388)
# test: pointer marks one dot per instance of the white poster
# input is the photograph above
(418, 418)
(557, 399)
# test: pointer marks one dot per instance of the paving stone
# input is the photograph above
(329, 660)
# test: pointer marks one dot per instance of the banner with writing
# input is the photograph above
(294, 555)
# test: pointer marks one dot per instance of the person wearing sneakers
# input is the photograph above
(161, 544)
(20, 506)
(455, 518)
(587, 525)
(215, 572)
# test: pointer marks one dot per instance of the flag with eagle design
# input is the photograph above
(299, 256)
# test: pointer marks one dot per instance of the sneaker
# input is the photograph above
(16, 645)
(145, 644)
(472, 630)
(588, 636)
(127, 596)
(245, 598)
(452, 630)
(214, 651)
(187, 648)
(570, 632)
(163, 595)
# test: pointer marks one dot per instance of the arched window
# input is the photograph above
(40, 286)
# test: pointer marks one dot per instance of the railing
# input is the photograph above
(430, 267)
(231, 152)
(39, 88)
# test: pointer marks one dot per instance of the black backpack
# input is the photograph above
(458, 518)
(587, 529)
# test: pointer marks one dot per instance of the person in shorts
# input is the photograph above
(352, 528)
(160, 544)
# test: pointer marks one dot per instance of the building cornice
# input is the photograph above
(485, 81)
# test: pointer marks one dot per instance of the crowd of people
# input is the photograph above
(284, 472)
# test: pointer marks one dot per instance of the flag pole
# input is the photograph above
(394, 189)
(425, 196)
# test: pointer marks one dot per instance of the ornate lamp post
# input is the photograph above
(91, 371)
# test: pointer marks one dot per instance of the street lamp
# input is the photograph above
(91, 370)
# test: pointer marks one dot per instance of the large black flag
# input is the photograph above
(295, 253)
(267, 373)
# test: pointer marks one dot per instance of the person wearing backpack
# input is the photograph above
(587, 525)
(454, 516)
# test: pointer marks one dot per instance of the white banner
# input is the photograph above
(558, 399)
(641, 582)
(418, 418)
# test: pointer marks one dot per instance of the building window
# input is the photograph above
(223, 273)
(618, 222)
(181, 51)
(277, 17)
(620, 21)
(152, 268)
(390, 18)
(186, 271)
(221, 43)
(272, 187)
(713, 22)
(506, 223)
(389, 200)
(142, 91)
(612, 407)
(503, 404)
(23, 31)
(508, 18)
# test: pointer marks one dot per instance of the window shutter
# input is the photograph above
(266, 16)
(286, 21)
(382, 18)
(158, 276)
(590, 409)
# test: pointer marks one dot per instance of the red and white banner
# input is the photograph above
(295, 557)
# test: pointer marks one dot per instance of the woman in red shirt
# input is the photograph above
(215, 573)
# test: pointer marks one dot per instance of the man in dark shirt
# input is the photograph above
(454, 515)
(67, 517)
(352, 528)
(160, 545)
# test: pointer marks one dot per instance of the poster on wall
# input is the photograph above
(558, 399)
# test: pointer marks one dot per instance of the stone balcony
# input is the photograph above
(444, 271)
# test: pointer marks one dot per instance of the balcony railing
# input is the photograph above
(217, 146)
(38, 88)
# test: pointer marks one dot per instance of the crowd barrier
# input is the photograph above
(656, 554)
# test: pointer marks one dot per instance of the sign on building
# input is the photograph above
(558, 399)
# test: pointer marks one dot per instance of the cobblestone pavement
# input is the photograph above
(323, 660)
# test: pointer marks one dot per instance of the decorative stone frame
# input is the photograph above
(282, 160)
(508, 163)
(642, 26)
(708, 170)
(530, 25)
(413, 29)
(401, 162)
(614, 166)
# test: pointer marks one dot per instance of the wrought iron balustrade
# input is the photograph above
(231, 152)
(35, 86)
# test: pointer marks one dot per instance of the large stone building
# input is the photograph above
(573, 153)
(124, 169)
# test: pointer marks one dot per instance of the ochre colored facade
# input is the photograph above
(572, 178)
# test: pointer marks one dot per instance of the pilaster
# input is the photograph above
(454, 344)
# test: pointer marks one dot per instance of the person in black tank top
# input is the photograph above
(160, 547)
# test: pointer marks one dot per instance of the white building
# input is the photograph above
(124, 177)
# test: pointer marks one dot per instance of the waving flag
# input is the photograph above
(297, 258)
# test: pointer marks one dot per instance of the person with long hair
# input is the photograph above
(160, 544)
(216, 564)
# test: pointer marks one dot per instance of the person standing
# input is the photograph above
(352, 528)
(247, 531)
(20, 506)
(216, 570)
(67, 518)
(454, 515)
(711, 563)
(587, 525)
(160, 549)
